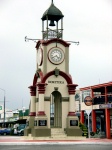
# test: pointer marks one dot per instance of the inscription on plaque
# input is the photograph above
(42, 122)
(73, 122)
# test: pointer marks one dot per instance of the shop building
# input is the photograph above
(101, 108)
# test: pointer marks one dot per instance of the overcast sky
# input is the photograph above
(86, 21)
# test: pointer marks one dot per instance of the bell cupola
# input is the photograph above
(52, 23)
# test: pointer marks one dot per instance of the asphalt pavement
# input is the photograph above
(18, 140)
(56, 147)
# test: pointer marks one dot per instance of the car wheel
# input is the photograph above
(22, 134)
(92, 133)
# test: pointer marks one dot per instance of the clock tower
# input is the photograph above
(52, 103)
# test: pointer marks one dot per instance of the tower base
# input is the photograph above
(73, 128)
(37, 132)
(30, 125)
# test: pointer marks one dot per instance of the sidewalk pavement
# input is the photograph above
(17, 140)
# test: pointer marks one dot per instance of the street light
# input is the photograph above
(4, 103)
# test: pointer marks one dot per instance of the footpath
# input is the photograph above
(18, 140)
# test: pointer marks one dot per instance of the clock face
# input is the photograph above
(39, 56)
(56, 55)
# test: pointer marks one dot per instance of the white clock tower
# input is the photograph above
(52, 103)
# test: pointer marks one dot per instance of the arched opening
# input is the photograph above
(56, 110)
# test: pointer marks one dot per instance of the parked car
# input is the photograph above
(5, 131)
(15, 127)
(20, 129)
(1, 131)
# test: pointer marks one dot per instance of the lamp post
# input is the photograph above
(4, 103)
(23, 110)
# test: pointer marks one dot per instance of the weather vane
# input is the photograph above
(35, 40)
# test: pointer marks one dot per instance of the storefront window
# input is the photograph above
(97, 94)
(111, 123)
(85, 93)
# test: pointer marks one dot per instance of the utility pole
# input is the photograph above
(4, 104)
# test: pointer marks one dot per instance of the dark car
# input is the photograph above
(20, 129)
(5, 131)
(1, 131)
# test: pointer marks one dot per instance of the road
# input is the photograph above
(56, 147)
(20, 143)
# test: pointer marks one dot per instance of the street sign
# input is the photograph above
(103, 106)
(88, 101)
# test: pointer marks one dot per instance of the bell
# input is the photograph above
(51, 23)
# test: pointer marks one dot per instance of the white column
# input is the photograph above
(32, 101)
(41, 102)
(32, 104)
(72, 103)
(41, 91)
(71, 90)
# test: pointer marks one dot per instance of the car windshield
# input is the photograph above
(21, 126)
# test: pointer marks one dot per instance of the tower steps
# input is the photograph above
(58, 133)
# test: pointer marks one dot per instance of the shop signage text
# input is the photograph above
(103, 106)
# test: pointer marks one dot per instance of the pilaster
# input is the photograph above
(41, 91)
(32, 101)
(71, 91)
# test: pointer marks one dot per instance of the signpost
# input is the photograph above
(23, 110)
(4, 104)
(88, 113)
(88, 102)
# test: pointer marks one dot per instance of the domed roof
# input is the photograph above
(53, 13)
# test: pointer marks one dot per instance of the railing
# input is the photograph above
(49, 34)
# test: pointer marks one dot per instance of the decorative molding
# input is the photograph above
(61, 73)
(41, 88)
(71, 113)
(40, 73)
(47, 42)
(41, 113)
(36, 100)
(65, 99)
(46, 98)
(56, 72)
(71, 88)
(32, 90)
(35, 79)
(56, 88)
(32, 114)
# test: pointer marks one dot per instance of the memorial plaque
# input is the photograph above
(73, 122)
(42, 122)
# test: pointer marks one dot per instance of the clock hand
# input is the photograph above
(55, 57)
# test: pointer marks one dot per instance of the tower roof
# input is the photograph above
(52, 13)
